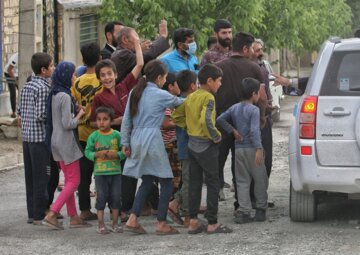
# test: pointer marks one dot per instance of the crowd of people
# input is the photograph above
(132, 112)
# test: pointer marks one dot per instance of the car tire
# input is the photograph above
(303, 206)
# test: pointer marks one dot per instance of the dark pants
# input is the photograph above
(54, 179)
(108, 189)
(226, 144)
(12, 89)
(37, 173)
(146, 187)
(128, 190)
(206, 164)
(86, 170)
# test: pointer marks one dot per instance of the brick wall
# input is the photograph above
(11, 28)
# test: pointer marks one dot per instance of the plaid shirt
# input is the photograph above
(215, 54)
(32, 109)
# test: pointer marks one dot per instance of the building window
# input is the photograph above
(88, 29)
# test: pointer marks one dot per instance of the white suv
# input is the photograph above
(324, 140)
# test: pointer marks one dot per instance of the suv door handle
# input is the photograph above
(337, 111)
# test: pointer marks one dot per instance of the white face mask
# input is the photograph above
(192, 48)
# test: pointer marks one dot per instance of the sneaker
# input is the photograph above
(242, 217)
(88, 215)
(221, 195)
(260, 215)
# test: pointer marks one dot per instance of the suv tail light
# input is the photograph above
(307, 118)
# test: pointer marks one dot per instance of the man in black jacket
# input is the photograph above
(111, 31)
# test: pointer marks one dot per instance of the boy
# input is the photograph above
(32, 111)
(83, 91)
(249, 164)
(103, 147)
(197, 114)
(186, 81)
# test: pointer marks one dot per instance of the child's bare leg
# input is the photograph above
(100, 216)
(115, 217)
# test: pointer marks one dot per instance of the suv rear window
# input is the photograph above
(342, 76)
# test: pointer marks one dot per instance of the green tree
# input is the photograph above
(355, 8)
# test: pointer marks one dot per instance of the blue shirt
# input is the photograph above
(246, 120)
(176, 63)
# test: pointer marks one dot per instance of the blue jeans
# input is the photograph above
(145, 188)
(108, 187)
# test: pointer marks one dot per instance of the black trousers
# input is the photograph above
(53, 181)
(204, 164)
(86, 170)
(12, 89)
(226, 144)
(37, 173)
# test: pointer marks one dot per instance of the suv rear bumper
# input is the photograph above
(307, 176)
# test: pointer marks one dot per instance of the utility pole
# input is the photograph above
(27, 42)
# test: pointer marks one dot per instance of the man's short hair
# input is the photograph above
(240, 40)
(209, 71)
(104, 63)
(181, 34)
(107, 110)
(109, 27)
(40, 60)
(125, 31)
(221, 23)
(185, 78)
(249, 86)
(259, 41)
(90, 54)
(170, 79)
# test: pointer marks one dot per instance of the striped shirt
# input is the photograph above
(168, 135)
(32, 109)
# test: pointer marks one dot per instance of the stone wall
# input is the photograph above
(10, 28)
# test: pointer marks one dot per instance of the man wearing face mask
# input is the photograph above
(111, 31)
(222, 49)
(183, 56)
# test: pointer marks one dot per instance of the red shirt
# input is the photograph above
(115, 101)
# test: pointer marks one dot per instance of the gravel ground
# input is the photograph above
(336, 231)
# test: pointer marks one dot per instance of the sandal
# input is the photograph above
(55, 226)
(102, 231)
(81, 224)
(172, 231)
(136, 230)
(221, 229)
(116, 229)
(175, 216)
(201, 228)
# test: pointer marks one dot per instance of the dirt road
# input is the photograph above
(336, 232)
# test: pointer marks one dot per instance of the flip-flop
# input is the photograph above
(175, 216)
(83, 224)
(136, 230)
(102, 231)
(221, 229)
(201, 228)
(51, 225)
(172, 231)
(116, 229)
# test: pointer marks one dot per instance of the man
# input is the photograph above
(183, 56)
(124, 57)
(222, 49)
(11, 76)
(235, 68)
(111, 31)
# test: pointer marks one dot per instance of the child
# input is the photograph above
(84, 90)
(32, 111)
(249, 165)
(115, 97)
(186, 81)
(143, 144)
(197, 114)
(103, 147)
(61, 125)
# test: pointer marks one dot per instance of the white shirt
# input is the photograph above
(13, 61)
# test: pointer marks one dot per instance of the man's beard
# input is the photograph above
(114, 42)
(224, 42)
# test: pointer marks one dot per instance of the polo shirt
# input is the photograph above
(176, 63)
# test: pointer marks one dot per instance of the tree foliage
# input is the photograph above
(297, 25)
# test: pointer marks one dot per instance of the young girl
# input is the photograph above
(64, 143)
(103, 147)
(143, 144)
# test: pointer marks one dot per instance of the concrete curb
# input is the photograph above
(11, 161)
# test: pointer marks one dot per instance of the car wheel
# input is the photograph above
(303, 207)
